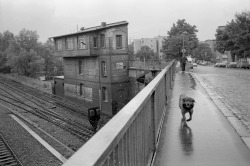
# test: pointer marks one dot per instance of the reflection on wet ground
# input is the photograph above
(188, 80)
(186, 138)
(193, 82)
(207, 140)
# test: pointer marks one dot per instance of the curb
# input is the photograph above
(232, 115)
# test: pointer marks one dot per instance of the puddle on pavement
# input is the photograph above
(186, 138)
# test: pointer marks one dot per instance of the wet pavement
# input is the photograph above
(209, 139)
(232, 85)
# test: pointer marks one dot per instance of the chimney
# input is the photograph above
(82, 28)
(103, 24)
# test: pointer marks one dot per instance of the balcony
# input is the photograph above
(90, 52)
(73, 53)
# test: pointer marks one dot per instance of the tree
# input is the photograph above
(5, 39)
(21, 52)
(145, 52)
(235, 37)
(180, 34)
(52, 65)
(8, 47)
(25, 63)
(24, 54)
(202, 52)
(28, 39)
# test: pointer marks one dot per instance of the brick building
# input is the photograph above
(96, 65)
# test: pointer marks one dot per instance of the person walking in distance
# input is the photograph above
(183, 62)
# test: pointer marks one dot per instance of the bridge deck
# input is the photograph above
(208, 140)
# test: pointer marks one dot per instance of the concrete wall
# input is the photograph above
(148, 64)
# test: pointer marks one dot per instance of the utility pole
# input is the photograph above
(183, 49)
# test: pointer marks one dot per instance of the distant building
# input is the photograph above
(150, 42)
(226, 57)
(154, 43)
(95, 66)
(160, 40)
(222, 28)
(212, 44)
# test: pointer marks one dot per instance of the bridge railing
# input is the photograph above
(131, 136)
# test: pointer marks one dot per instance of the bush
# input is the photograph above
(5, 69)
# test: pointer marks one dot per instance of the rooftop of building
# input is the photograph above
(100, 27)
(59, 77)
(157, 37)
(221, 28)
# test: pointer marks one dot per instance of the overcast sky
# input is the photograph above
(147, 18)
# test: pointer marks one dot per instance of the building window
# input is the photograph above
(80, 65)
(82, 43)
(85, 92)
(58, 45)
(81, 89)
(118, 41)
(104, 68)
(104, 94)
(69, 44)
(95, 42)
(102, 44)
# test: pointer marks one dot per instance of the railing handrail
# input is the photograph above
(104, 141)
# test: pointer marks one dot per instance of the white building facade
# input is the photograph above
(154, 43)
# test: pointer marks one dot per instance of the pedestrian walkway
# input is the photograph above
(208, 140)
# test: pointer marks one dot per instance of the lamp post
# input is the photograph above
(183, 50)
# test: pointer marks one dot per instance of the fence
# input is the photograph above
(148, 64)
(130, 137)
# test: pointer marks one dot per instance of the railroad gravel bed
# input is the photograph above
(28, 150)
(62, 139)
(61, 135)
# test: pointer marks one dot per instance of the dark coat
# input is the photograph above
(183, 60)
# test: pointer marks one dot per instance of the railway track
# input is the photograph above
(7, 156)
(53, 99)
(64, 123)
(83, 124)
